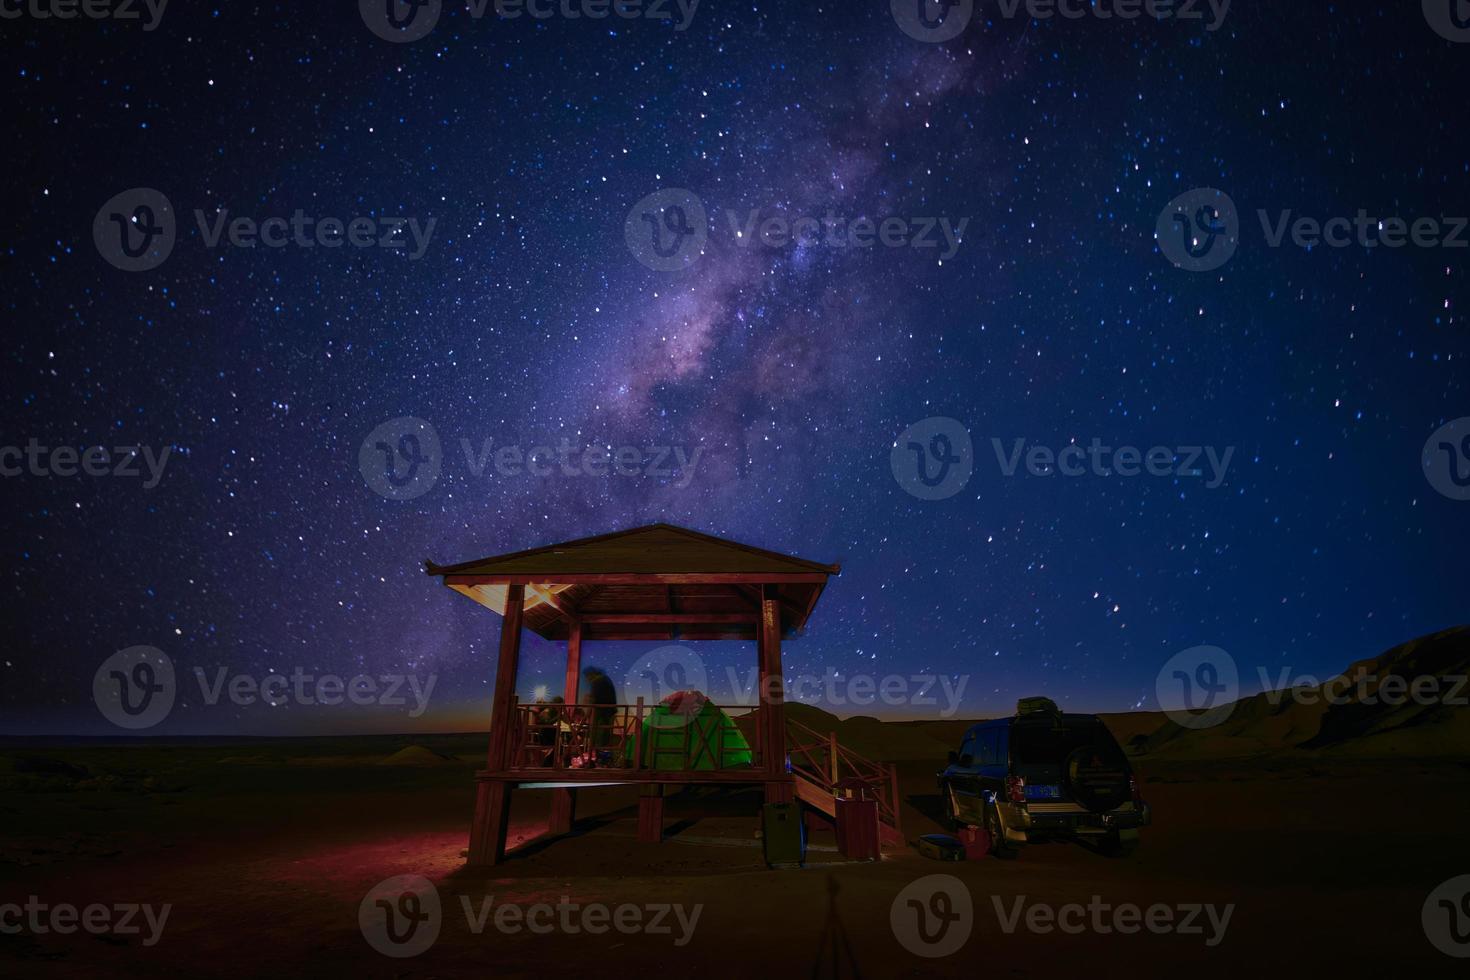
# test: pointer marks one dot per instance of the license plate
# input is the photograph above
(1043, 792)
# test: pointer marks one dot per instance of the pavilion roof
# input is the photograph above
(654, 582)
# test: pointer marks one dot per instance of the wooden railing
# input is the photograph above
(819, 758)
(616, 736)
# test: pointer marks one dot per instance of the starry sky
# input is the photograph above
(528, 319)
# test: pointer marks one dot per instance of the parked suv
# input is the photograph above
(1044, 775)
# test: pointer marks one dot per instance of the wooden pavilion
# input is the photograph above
(658, 582)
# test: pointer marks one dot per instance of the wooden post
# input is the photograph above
(779, 786)
(893, 795)
(772, 692)
(574, 662)
(564, 801)
(505, 678)
(563, 804)
(492, 823)
(638, 738)
(832, 756)
(651, 813)
(492, 797)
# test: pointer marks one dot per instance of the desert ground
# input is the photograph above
(264, 850)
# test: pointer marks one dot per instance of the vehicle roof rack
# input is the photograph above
(1037, 706)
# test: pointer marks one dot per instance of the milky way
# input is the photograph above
(790, 367)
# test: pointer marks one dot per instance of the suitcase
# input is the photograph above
(941, 847)
(783, 835)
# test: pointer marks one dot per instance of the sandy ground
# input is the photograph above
(265, 864)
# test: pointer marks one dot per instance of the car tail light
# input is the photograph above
(1135, 787)
(1015, 789)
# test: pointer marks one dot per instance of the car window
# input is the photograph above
(1049, 741)
(985, 753)
(968, 748)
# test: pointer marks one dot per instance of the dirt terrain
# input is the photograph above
(265, 850)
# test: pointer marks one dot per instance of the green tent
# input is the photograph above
(679, 739)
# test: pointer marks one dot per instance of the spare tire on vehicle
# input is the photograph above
(1098, 779)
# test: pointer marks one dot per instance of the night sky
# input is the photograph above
(529, 319)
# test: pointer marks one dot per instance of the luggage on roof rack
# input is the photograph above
(1037, 706)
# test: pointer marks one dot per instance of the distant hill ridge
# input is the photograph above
(1367, 719)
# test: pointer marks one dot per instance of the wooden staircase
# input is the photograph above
(825, 770)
